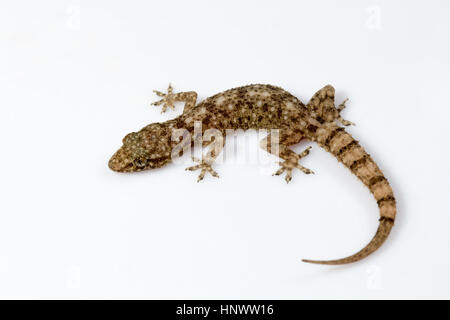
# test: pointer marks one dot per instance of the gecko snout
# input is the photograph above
(120, 161)
(115, 164)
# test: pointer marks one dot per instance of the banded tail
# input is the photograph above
(348, 151)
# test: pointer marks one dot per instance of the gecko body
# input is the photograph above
(263, 107)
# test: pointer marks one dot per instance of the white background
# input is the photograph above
(76, 76)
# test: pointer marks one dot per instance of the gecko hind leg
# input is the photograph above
(168, 99)
(342, 120)
(322, 105)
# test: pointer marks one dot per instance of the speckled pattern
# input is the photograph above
(260, 106)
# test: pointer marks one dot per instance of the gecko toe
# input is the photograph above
(167, 100)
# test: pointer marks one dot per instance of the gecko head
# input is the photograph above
(147, 149)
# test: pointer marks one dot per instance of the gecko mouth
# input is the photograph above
(137, 165)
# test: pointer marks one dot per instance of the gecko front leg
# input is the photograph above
(204, 165)
(282, 150)
(215, 147)
(169, 98)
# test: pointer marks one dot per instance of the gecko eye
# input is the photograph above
(140, 163)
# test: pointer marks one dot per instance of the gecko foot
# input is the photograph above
(292, 163)
(205, 167)
(342, 120)
(167, 100)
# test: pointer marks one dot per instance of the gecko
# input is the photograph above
(263, 106)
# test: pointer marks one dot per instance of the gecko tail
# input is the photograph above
(381, 235)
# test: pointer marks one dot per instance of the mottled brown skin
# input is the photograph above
(264, 107)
